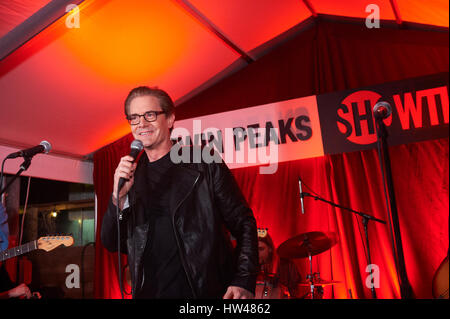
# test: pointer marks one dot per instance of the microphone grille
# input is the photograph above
(382, 104)
(137, 145)
(47, 146)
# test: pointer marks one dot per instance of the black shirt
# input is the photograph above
(164, 275)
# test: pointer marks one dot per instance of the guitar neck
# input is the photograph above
(19, 250)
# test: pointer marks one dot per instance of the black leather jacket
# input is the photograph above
(205, 203)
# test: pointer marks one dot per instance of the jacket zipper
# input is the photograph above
(183, 262)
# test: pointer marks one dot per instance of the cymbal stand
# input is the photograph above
(310, 276)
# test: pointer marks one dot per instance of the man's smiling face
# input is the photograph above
(152, 134)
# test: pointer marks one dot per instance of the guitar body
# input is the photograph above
(440, 281)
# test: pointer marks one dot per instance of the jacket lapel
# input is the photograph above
(138, 195)
(182, 181)
(181, 184)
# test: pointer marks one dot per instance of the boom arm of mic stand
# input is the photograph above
(345, 208)
(26, 163)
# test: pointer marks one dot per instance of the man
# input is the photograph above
(4, 228)
(176, 217)
(7, 288)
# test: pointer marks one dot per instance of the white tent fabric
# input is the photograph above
(66, 84)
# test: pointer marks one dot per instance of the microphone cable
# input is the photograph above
(119, 264)
(136, 148)
(24, 210)
(1, 173)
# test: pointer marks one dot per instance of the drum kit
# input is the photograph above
(267, 287)
(307, 245)
(310, 244)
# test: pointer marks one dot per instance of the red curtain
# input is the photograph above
(420, 173)
(327, 57)
(420, 176)
(106, 284)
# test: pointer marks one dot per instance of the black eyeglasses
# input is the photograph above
(149, 116)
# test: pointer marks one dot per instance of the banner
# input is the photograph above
(267, 134)
(325, 124)
(419, 112)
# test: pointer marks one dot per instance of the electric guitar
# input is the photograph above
(45, 243)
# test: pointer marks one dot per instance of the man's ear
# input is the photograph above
(171, 120)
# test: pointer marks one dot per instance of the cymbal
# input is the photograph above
(306, 244)
(320, 283)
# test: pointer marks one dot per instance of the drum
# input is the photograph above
(266, 290)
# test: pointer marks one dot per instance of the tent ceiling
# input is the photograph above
(67, 86)
(14, 12)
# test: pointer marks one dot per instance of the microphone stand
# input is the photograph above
(26, 163)
(383, 153)
(365, 220)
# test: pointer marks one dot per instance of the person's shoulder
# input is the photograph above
(3, 214)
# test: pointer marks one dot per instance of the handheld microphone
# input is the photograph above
(301, 195)
(136, 148)
(382, 110)
(44, 147)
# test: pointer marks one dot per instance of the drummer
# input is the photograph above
(279, 271)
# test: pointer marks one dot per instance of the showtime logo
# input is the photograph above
(356, 122)
(355, 117)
